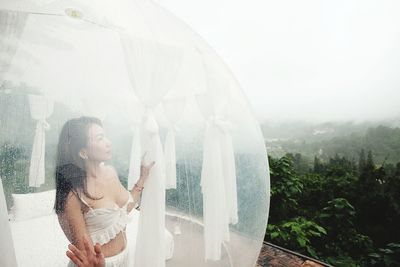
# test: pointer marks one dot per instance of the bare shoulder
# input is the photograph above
(72, 203)
(71, 200)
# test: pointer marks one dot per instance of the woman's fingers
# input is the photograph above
(99, 255)
(76, 252)
(145, 168)
(144, 155)
(97, 250)
(74, 258)
(148, 167)
(89, 249)
(90, 256)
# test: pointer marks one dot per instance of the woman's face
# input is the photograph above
(98, 147)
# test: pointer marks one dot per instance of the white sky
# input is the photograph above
(311, 60)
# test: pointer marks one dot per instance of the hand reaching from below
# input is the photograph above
(90, 257)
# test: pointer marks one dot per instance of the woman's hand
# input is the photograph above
(144, 171)
(86, 258)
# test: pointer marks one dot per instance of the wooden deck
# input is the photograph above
(275, 256)
(193, 255)
(240, 252)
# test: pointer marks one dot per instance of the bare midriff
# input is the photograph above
(115, 246)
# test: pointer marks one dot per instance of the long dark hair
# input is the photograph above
(70, 173)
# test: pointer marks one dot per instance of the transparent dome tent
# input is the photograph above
(159, 90)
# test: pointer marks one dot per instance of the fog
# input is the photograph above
(307, 60)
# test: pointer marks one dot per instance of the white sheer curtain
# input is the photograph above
(11, 27)
(152, 69)
(216, 228)
(218, 177)
(41, 108)
(136, 151)
(173, 109)
(228, 159)
(7, 252)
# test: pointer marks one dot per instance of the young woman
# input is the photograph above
(93, 207)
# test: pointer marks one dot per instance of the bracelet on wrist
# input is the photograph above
(138, 188)
(137, 206)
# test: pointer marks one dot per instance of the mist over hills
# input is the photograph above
(329, 138)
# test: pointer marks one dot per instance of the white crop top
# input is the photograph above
(104, 224)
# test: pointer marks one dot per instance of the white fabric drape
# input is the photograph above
(152, 69)
(41, 108)
(228, 159)
(216, 224)
(170, 158)
(7, 251)
(152, 218)
(173, 109)
(11, 27)
(136, 110)
(218, 180)
(135, 157)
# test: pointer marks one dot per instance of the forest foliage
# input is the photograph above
(345, 212)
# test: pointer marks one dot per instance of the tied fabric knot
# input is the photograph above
(223, 125)
(44, 124)
(150, 123)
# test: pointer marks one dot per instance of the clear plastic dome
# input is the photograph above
(158, 89)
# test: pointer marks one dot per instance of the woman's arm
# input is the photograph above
(73, 223)
(82, 252)
(136, 191)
